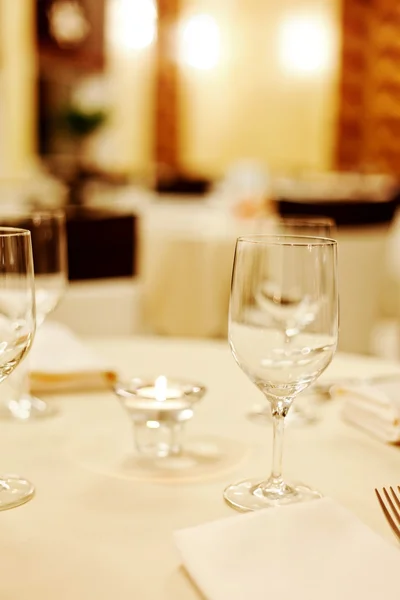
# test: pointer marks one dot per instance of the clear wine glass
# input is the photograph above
(281, 356)
(49, 247)
(17, 329)
(307, 225)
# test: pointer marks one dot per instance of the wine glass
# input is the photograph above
(279, 343)
(17, 329)
(308, 225)
(48, 236)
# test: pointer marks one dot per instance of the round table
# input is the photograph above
(96, 530)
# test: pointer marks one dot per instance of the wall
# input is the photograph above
(249, 105)
(17, 87)
(126, 144)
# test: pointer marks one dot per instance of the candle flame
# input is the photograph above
(161, 388)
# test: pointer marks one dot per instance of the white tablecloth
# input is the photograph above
(97, 531)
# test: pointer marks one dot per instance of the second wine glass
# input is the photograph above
(48, 235)
(17, 330)
(279, 343)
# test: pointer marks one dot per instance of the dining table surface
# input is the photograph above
(101, 524)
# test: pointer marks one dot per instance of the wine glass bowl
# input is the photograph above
(50, 260)
(17, 330)
(282, 356)
(287, 307)
(17, 307)
(48, 235)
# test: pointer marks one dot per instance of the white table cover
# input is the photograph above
(97, 530)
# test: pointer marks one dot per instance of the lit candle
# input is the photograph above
(162, 396)
(160, 391)
(159, 397)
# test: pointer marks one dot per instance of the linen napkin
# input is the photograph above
(309, 551)
(373, 407)
(59, 361)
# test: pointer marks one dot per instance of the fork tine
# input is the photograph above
(396, 499)
(392, 506)
(387, 514)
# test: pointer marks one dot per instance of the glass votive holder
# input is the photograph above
(158, 408)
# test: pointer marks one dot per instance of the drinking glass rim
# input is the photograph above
(14, 232)
(304, 220)
(287, 240)
(42, 213)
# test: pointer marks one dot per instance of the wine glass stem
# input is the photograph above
(176, 439)
(20, 380)
(278, 420)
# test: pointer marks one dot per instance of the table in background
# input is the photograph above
(89, 534)
(185, 264)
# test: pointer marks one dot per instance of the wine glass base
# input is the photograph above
(14, 491)
(27, 408)
(249, 495)
(296, 416)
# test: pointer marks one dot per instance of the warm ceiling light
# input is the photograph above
(305, 44)
(68, 23)
(200, 42)
(133, 23)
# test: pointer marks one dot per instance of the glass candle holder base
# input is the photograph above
(158, 440)
(14, 491)
(26, 408)
(251, 494)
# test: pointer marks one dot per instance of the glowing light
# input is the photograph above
(160, 388)
(133, 23)
(305, 44)
(200, 42)
(68, 23)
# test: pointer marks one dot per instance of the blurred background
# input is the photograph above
(165, 129)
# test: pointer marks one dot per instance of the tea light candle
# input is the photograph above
(158, 409)
(161, 397)
(147, 399)
(160, 391)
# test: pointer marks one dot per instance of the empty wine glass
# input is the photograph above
(17, 329)
(299, 272)
(48, 236)
(307, 225)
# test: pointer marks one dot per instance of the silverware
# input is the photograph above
(392, 513)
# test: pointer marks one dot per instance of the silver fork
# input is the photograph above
(393, 512)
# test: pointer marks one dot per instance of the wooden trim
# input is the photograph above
(167, 74)
(368, 134)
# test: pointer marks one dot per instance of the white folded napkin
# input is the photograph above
(59, 361)
(312, 551)
(373, 407)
